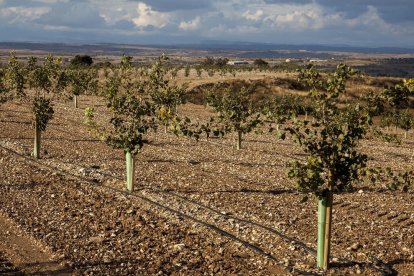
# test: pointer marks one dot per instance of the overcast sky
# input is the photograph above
(351, 22)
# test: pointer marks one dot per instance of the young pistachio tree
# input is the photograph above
(174, 72)
(126, 61)
(44, 79)
(199, 71)
(333, 160)
(80, 81)
(405, 121)
(13, 79)
(187, 70)
(132, 116)
(398, 98)
(235, 110)
(281, 109)
(393, 104)
(3, 90)
(166, 97)
(56, 74)
(38, 78)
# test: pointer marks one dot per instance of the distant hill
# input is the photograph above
(250, 46)
(218, 48)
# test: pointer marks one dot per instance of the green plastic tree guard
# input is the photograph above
(130, 171)
(321, 230)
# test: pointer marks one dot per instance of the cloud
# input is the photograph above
(253, 15)
(178, 5)
(76, 15)
(302, 18)
(147, 17)
(372, 20)
(358, 22)
(22, 14)
(292, 2)
(190, 25)
(242, 29)
(51, 1)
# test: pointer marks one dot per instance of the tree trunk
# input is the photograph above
(130, 171)
(165, 128)
(239, 139)
(75, 100)
(36, 150)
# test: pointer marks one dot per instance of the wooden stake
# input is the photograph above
(239, 139)
(36, 149)
(328, 226)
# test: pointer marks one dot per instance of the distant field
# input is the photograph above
(376, 62)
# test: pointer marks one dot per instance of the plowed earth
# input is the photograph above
(199, 208)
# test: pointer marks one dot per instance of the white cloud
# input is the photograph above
(56, 28)
(176, 21)
(75, 15)
(23, 14)
(241, 29)
(113, 11)
(302, 18)
(51, 1)
(148, 17)
(190, 25)
(372, 20)
(253, 16)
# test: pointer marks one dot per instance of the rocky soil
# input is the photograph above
(200, 207)
(7, 268)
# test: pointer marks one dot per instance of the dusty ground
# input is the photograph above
(199, 208)
(24, 254)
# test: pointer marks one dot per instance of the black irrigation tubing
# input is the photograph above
(226, 145)
(238, 178)
(208, 225)
(274, 231)
(292, 156)
(154, 145)
(384, 269)
(70, 133)
(55, 115)
(213, 227)
(60, 129)
(300, 244)
(222, 232)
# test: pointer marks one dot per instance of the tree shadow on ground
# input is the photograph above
(385, 268)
